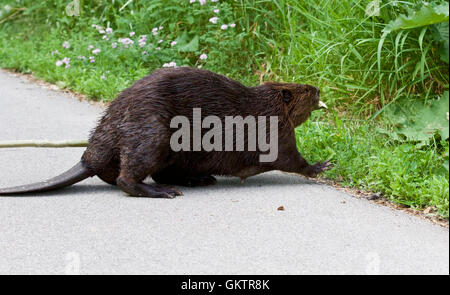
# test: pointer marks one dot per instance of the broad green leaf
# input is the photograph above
(191, 46)
(190, 19)
(441, 34)
(183, 39)
(428, 15)
(419, 122)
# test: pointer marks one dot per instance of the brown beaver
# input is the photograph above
(132, 140)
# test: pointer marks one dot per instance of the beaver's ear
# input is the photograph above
(286, 95)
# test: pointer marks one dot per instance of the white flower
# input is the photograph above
(66, 60)
(224, 27)
(203, 56)
(173, 43)
(96, 51)
(160, 41)
(90, 47)
(132, 34)
(158, 48)
(191, 1)
(170, 65)
(102, 31)
(109, 30)
(142, 40)
(91, 59)
(214, 20)
(126, 42)
(214, 0)
(114, 45)
(202, 2)
(232, 25)
(103, 77)
(66, 45)
(216, 10)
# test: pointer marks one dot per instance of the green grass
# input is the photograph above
(368, 160)
(331, 44)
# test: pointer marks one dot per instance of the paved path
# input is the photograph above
(231, 228)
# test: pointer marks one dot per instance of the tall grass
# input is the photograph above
(332, 44)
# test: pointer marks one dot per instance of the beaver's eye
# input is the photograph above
(286, 95)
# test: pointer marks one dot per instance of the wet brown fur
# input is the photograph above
(131, 141)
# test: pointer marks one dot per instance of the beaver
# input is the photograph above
(132, 139)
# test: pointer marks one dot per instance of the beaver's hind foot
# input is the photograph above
(147, 191)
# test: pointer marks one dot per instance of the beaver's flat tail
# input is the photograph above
(75, 174)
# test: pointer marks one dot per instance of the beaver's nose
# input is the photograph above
(320, 104)
(317, 94)
(317, 90)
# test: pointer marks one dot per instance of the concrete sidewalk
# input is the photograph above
(230, 228)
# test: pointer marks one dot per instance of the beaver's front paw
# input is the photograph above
(318, 168)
